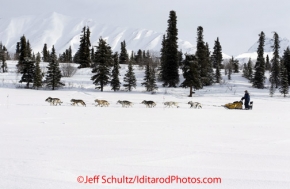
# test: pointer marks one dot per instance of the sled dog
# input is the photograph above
(170, 104)
(194, 104)
(149, 104)
(77, 101)
(102, 103)
(125, 103)
(53, 101)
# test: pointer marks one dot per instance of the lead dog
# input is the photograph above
(53, 101)
(194, 104)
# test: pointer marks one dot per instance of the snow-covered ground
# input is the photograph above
(49, 147)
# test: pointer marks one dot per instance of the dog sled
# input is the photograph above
(238, 105)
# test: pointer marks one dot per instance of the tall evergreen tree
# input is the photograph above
(259, 75)
(152, 80)
(130, 79)
(53, 77)
(45, 53)
(275, 71)
(27, 71)
(217, 60)
(146, 77)
(201, 56)
(170, 68)
(23, 55)
(84, 57)
(284, 87)
(37, 80)
(115, 82)
(124, 57)
(102, 65)
(286, 62)
(267, 65)
(191, 74)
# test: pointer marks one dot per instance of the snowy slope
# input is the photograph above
(64, 31)
(49, 147)
(268, 50)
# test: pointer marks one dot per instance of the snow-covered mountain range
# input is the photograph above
(64, 31)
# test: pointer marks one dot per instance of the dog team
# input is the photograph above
(124, 103)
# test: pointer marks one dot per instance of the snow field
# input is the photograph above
(48, 147)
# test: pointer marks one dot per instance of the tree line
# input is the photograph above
(203, 68)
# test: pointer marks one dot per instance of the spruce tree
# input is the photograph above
(124, 57)
(267, 65)
(53, 76)
(27, 72)
(23, 55)
(201, 56)
(191, 74)
(37, 81)
(152, 80)
(170, 69)
(84, 57)
(275, 70)
(45, 54)
(259, 75)
(146, 77)
(115, 82)
(284, 87)
(130, 79)
(102, 65)
(217, 60)
(286, 62)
